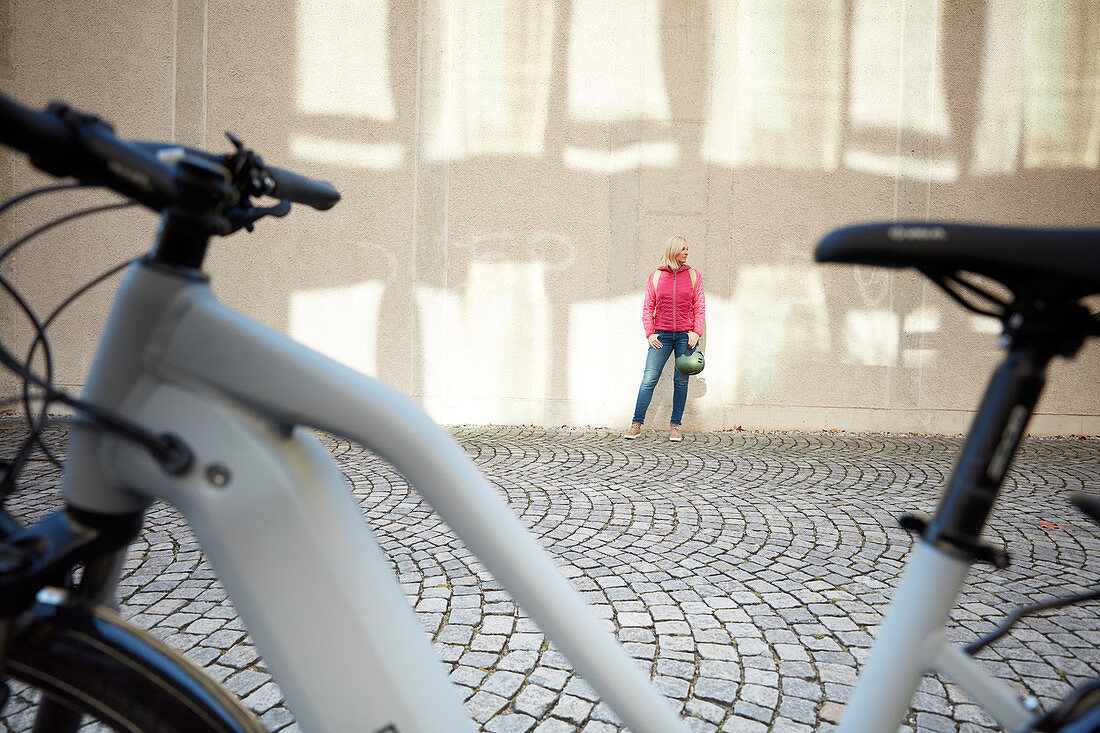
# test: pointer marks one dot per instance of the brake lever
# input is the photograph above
(246, 218)
(252, 179)
(248, 170)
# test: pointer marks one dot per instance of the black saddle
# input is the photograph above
(1063, 263)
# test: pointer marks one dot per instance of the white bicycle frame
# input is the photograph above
(277, 520)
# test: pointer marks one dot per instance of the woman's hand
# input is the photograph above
(693, 338)
(654, 341)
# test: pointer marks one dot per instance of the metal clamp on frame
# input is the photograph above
(957, 546)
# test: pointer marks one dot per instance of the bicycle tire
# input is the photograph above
(89, 659)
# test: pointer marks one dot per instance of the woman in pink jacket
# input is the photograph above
(673, 315)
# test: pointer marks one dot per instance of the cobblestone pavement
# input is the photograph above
(746, 571)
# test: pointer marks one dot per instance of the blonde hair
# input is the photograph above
(673, 247)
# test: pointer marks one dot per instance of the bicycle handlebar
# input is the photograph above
(319, 195)
(63, 142)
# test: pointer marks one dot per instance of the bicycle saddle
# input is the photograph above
(1068, 259)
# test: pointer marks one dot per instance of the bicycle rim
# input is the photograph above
(92, 661)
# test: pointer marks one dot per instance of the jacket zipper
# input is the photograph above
(674, 279)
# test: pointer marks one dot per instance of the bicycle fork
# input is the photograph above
(911, 640)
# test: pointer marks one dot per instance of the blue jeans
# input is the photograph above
(671, 342)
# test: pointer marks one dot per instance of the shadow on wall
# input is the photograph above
(517, 134)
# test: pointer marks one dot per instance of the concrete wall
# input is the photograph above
(510, 171)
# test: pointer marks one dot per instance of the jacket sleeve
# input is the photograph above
(699, 307)
(648, 305)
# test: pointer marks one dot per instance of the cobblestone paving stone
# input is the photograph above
(746, 572)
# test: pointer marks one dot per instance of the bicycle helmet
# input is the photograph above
(690, 363)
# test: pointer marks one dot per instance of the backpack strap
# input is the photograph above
(692, 273)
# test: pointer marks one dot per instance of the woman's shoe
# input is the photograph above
(634, 431)
(674, 433)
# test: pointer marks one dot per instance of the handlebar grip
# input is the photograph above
(320, 195)
(43, 136)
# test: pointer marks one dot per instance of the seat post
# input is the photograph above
(1035, 332)
(994, 436)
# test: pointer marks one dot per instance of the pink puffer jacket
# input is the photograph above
(674, 306)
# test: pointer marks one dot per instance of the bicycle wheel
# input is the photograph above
(90, 660)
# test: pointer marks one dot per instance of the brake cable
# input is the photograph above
(169, 450)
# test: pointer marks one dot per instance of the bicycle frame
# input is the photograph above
(276, 519)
